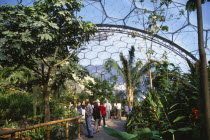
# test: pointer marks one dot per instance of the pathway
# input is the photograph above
(101, 135)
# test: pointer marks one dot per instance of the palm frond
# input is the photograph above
(144, 69)
(135, 73)
(131, 56)
(192, 66)
(109, 64)
(137, 67)
(126, 69)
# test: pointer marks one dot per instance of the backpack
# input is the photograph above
(96, 113)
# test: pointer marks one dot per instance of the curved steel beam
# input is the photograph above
(141, 33)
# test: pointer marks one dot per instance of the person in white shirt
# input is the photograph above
(108, 108)
(119, 111)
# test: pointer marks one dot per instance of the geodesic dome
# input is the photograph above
(123, 23)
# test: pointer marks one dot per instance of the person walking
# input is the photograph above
(115, 110)
(108, 108)
(119, 111)
(88, 116)
(103, 113)
(96, 116)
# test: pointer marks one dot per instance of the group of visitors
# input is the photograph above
(117, 110)
(97, 112)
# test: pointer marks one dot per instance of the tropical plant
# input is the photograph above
(100, 89)
(58, 131)
(158, 113)
(119, 97)
(139, 134)
(42, 37)
(82, 96)
(15, 106)
(59, 111)
(193, 5)
(17, 75)
(130, 71)
(9, 124)
(171, 107)
(39, 133)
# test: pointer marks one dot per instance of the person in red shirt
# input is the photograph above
(103, 113)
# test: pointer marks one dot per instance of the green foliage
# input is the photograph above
(16, 106)
(38, 31)
(19, 77)
(146, 134)
(9, 124)
(59, 111)
(131, 71)
(191, 5)
(66, 98)
(168, 107)
(140, 134)
(179, 118)
(119, 97)
(100, 89)
(44, 38)
(119, 134)
(39, 133)
(58, 131)
(181, 12)
(164, 28)
(82, 96)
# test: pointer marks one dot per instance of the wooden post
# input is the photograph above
(78, 133)
(67, 130)
(12, 136)
(48, 132)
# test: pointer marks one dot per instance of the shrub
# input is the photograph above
(16, 106)
(59, 111)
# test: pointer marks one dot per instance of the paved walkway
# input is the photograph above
(101, 135)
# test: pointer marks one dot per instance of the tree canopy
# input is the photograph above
(43, 37)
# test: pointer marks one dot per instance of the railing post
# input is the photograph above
(48, 132)
(78, 131)
(67, 130)
(12, 136)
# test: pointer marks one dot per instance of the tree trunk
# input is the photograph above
(150, 79)
(35, 91)
(150, 75)
(130, 91)
(204, 89)
(46, 96)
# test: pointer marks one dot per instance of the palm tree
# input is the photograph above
(130, 71)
